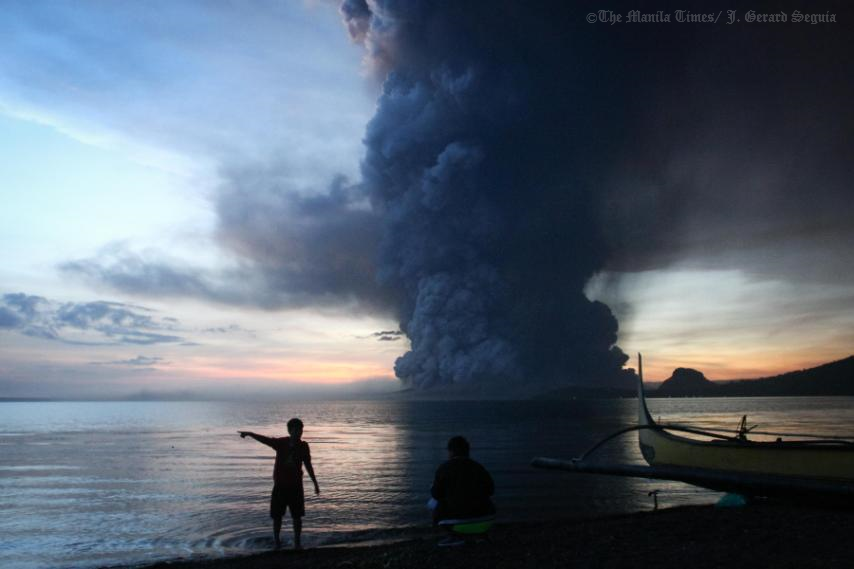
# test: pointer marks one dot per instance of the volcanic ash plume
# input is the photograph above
(480, 163)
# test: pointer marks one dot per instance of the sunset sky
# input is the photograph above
(169, 171)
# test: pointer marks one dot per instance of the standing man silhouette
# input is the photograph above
(291, 454)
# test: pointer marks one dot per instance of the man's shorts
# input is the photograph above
(287, 497)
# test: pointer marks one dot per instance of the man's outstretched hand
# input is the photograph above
(243, 434)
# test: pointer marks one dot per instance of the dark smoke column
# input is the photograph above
(483, 161)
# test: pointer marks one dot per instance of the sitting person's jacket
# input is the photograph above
(462, 488)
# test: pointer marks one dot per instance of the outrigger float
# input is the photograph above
(809, 467)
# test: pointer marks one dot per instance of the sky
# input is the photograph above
(120, 125)
(276, 198)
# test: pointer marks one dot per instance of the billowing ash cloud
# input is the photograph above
(481, 161)
(98, 322)
(518, 150)
(357, 16)
(291, 249)
(738, 151)
(311, 249)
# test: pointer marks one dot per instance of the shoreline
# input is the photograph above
(761, 534)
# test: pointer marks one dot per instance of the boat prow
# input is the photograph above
(645, 420)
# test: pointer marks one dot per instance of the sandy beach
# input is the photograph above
(761, 535)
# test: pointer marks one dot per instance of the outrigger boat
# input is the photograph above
(810, 466)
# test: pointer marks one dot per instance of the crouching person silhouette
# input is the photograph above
(462, 491)
(291, 454)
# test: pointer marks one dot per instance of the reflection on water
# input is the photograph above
(90, 484)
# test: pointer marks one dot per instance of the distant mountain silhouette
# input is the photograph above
(835, 378)
(687, 382)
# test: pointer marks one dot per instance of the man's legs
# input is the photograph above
(277, 510)
(297, 531)
(277, 529)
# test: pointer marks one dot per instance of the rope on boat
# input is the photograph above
(769, 433)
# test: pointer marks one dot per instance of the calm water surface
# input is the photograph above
(106, 483)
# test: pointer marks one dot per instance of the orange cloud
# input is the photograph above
(291, 370)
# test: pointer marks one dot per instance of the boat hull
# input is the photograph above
(660, 448)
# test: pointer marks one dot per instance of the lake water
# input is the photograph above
(107, 483)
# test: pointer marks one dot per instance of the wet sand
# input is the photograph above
(761, 535)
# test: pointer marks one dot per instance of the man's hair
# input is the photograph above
(294, 423)
(458, 446)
